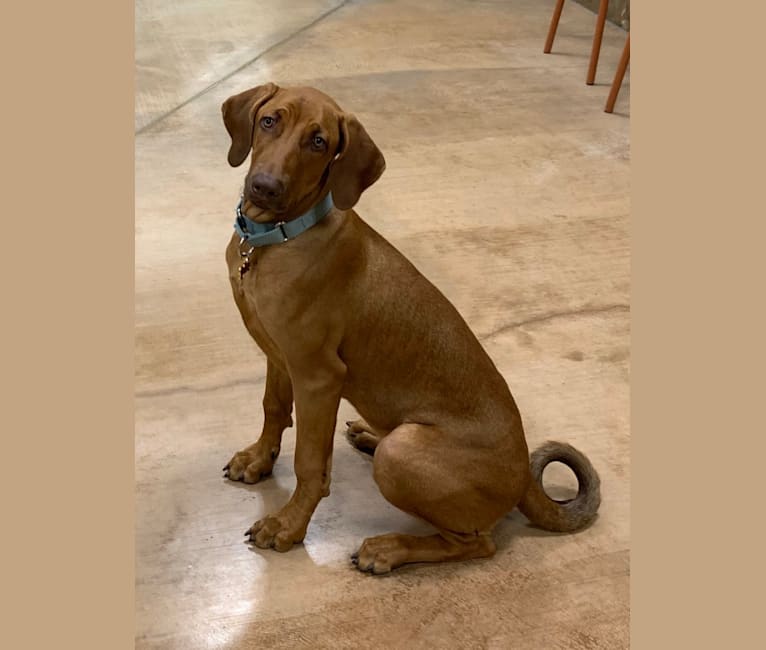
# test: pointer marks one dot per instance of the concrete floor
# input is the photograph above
(508, 187)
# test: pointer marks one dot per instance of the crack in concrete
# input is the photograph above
(165, 392)
(229, 75)
(584, 311)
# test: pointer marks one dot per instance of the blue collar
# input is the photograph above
(265, 234)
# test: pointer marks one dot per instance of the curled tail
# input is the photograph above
(561, 516)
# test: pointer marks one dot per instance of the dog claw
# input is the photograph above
(227, 467)
(355, 556)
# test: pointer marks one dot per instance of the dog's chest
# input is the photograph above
(243, 287)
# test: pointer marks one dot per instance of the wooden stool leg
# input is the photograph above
(600, 20)
(554, 25)
(618, 76)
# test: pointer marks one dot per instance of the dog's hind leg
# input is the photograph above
(462, 490)
(382, 553)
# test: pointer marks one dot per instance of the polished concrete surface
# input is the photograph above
(508, 186)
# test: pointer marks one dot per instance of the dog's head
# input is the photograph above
(303, 146)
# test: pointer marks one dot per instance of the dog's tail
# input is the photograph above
(561, 516)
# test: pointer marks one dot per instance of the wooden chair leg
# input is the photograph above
(600, 20)
(554, 25)
(624, 59)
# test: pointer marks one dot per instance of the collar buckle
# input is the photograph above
(241, 217)
(245, 254)
(280, 225)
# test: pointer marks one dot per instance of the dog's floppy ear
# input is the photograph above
(357, 165)
(239, 117)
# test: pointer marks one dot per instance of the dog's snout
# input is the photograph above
(267, 186)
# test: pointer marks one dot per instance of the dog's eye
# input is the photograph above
(268, 122)
(318, 143)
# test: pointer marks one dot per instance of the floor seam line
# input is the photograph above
(229, 75)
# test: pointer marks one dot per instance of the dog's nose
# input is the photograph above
(267, 186)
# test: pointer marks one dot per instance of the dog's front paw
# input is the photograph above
(276, 531)
(251, 465)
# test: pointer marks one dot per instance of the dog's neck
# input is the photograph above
(276, 230)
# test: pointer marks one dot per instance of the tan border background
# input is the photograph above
(67, 325)
(697, 227)
(67, 336)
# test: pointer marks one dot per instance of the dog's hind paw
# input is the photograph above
(361, 436)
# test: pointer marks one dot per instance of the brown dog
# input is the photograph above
(340, 313)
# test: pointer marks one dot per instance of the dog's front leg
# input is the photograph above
(317, 387)
(256, 461)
